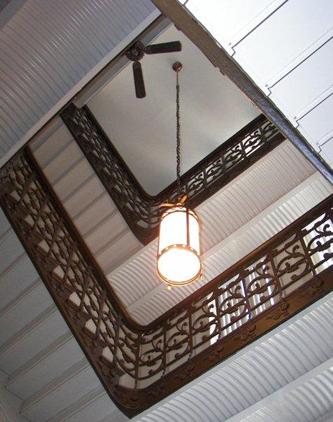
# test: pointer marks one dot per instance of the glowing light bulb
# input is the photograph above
(178, 260)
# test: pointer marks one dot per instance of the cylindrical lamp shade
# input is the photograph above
(178, 259)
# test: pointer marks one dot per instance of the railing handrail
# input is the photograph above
(162, 196)
(127, 318)
(144, 224)
(247, 259)
(186, 331)
(232, 141)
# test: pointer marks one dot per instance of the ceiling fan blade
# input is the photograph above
(138, 80)
(166, 47)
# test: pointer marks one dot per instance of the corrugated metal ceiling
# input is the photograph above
(285, 376)
(50, 49)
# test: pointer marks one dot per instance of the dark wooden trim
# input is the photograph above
(188, 24)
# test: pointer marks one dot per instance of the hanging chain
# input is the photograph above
(181, 199)
(178, 134)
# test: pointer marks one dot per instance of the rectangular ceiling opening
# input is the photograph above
(212, 109)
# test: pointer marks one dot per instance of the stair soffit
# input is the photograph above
(273, 176)
(282, 376)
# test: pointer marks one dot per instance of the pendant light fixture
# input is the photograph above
(178, 256)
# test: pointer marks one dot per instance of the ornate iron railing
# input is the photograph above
(142, 211)
(139, 365)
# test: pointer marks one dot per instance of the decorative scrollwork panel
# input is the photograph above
(142, 211)
(140, 364)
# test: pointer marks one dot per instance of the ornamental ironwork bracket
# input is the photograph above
(138, 365)
(142, 211)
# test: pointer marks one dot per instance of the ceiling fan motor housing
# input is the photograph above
(136, 52)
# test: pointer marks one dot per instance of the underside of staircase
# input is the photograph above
(42, 363)
(88, 331)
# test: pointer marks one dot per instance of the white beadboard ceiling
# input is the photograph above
(50, 49)
(287, 375)
(144, 130)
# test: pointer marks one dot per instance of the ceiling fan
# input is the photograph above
(136, 53)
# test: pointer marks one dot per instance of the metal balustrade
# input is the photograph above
(137, 364)
(142, 211)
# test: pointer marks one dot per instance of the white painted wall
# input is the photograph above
(286, 47)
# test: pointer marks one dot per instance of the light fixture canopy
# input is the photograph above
(178, 256)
